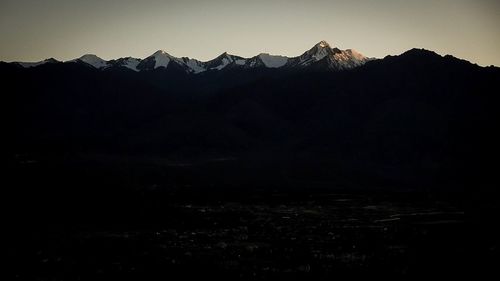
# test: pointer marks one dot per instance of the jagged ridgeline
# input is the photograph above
(321, 55)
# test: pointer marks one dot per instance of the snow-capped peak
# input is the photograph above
(320, 50)
(323, 44)
(162, 58)
(223, 61)
(160, 53)
(93, 60)
(333, 58)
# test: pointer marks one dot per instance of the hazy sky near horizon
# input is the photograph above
(32, 30)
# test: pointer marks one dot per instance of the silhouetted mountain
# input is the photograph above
(415, 121)
(34, 64)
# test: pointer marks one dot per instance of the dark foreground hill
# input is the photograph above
(415, 121)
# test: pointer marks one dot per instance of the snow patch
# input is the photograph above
(94, 61)
(132, 63)
(240, 62)
(320, 54)
(324, 44)
(31, 64)
(195, 65)
(273, 61)
(348, 59)
(162, 59)
(225, 62)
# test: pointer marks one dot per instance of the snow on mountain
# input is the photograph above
(93, 60)
(162, 59)
(240, 61)
(30, 64)
(159, 59)
(266, 61)
(128, 62)
(315, 54)
(34, 64)
(273, 61)
(223, 61)
(320, 50)
(193, 65)
(132, 63)
(348, 59)
(321, 56)
(334, 58)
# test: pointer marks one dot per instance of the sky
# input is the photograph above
(33, 30)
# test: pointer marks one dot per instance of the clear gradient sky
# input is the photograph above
(32, 30)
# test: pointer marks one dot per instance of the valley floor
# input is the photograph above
(306, 236)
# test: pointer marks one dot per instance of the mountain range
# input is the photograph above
(327, 118)
(320, 55)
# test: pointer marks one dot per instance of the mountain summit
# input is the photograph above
(93, 61)
(322, 55)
